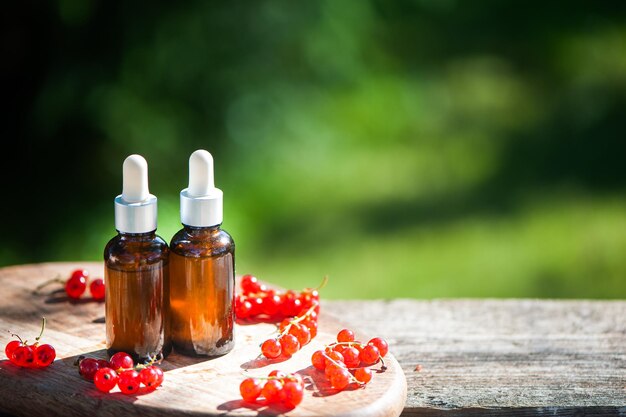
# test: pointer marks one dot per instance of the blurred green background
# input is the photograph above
(414, 148)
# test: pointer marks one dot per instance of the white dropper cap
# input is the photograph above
(201, 204)
(135, 208)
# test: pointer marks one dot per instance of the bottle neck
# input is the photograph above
(198, 231)
(138, 236)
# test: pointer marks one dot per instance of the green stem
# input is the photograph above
(43, 327)
(353, 343)
(279, 378)
(352, 378)
(50, 281)
(383, 366)
(323, 284)
(296, 320)
(152, 360)
(18, 337)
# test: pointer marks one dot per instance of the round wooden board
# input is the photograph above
(192, 386)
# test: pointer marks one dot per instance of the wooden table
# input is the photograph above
(503, 357)
(460, 357)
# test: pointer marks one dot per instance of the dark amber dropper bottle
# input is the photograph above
(202, 267)
(136, 272)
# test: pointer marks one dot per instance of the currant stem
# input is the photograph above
(383, 366)
(352, 378)
(151, 361)
(43, 327)
(353, 343)
(50, 281)
(296, 320)
(323, 283)
(278, 378)
(18, 337)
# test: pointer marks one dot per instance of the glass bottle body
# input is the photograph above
(137, 295)
(202, 283)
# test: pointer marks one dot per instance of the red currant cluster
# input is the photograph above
(346, 355)
(293, 334)
(279, 388)
(76, 285)
(257, 300)
(120, 370)
(22, 354)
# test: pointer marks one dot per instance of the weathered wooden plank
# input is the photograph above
(503, 357)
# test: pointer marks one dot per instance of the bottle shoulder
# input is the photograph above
(128, 250)
(202, 243)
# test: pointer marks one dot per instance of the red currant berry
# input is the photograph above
(78, 273)
(381, 345)
(283, 324)
(338, 348)
(335, 357)
(243, 308)
(307, 299)
(312, 315)
(103, 364)
(149, 377)
(10, 348)
(75, 286)
(271, 348)
(331, 367)
(88, 367)
(271, 305)
(339, 378)
(302, 333)
(289, 344)
(318, 360)
(313, 295)
(250, 389)
(97, 289)
(345, 335)
(312, 325)
(121, 360)
(369, 355)
(257, 306)
(271, 390)
(363, 375)
(297, 378)
(277, 374)
(44, 355)
(291, 306)
(105, 379)
(289, 295)
(291, 395)
(24, 356)
(128, 381)
(160, 376)
(351, 357)
(250, 284)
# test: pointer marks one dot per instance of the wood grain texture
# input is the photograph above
(503, 357)
(192, 387)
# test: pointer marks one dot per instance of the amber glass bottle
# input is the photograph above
(202, 263)
(136, 272)
(137, 295)
(202, 267)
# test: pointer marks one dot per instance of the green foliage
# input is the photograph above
(405, 148)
